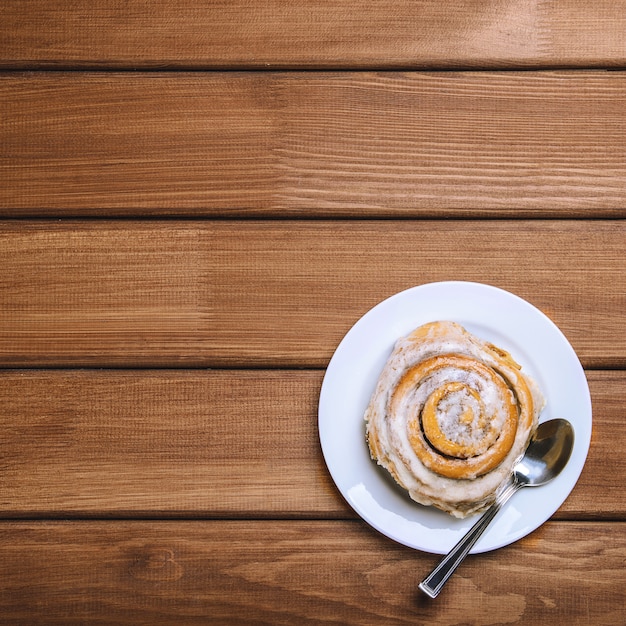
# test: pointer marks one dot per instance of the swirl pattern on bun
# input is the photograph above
(450, 416)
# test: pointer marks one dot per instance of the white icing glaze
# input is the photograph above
(458, 415)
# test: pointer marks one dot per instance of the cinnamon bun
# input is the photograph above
(450, 416)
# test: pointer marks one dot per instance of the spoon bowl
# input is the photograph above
(547, 455)
(544, 459)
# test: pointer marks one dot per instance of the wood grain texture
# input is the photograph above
(526, 144)
(154, 443)
(283, 33)
(282, 294)
(213, 444)
(198, 494)
(306, 572)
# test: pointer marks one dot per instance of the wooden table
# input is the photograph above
(199, 199)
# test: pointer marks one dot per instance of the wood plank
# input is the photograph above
(163, 443)
(299, 572)
(268, 293)
(283, 33)
(526, 144)
(213, 443)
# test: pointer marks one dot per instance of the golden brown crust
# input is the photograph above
(436, 451)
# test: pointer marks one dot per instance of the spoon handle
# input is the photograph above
(434, 582)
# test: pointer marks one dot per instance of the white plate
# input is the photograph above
(494, 315)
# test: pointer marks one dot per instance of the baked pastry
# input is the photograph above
(450, 416)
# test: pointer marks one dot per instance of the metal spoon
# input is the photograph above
(545, 457)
